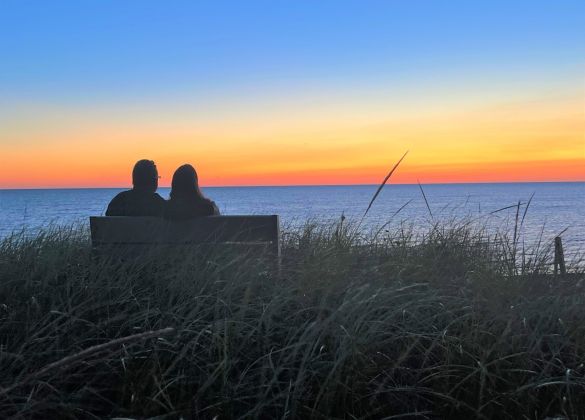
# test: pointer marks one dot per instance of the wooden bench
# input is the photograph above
(134, 236)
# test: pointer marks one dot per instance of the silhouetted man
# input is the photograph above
(142, 199)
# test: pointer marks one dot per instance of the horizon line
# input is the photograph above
(303, 185)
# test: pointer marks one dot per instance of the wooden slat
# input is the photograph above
(212, 229)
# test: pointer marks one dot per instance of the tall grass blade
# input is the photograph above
(425, 197)
(526, 209)
(515, 238)
(383, 183)
(562, 231)
(505, 208)
(391, 217)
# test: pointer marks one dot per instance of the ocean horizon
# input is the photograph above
(555, 207)
(301, 185)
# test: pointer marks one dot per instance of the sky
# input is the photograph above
(291, 92)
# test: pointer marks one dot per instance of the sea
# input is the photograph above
(544, 209)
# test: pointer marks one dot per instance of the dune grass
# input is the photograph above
(353, 326)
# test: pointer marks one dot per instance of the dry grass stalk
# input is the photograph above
(69, 361)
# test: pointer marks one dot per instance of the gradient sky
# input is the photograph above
(296, 92)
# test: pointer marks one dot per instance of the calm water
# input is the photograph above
(555, 206)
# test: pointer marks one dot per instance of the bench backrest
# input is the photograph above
(145, 231)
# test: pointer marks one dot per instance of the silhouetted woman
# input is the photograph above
(187, 200)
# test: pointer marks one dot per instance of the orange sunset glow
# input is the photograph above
(537, 140)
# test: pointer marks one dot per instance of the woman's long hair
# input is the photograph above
(185, 184)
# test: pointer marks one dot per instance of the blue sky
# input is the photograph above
(119, 50)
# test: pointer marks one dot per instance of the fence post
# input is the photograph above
(559, 257)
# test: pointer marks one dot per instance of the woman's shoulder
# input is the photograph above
(213, 209)
(179, 208)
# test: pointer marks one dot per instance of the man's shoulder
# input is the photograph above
(122, 195)
(136, 203)
(139, 195)
(117, 206)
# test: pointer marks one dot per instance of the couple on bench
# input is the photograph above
(186, 199)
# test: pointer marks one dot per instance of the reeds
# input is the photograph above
(403, 324)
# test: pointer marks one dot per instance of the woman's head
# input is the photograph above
(185, 183)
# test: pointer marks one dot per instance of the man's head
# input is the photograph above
(145, 175)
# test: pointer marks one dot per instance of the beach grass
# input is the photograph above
(451, 323)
